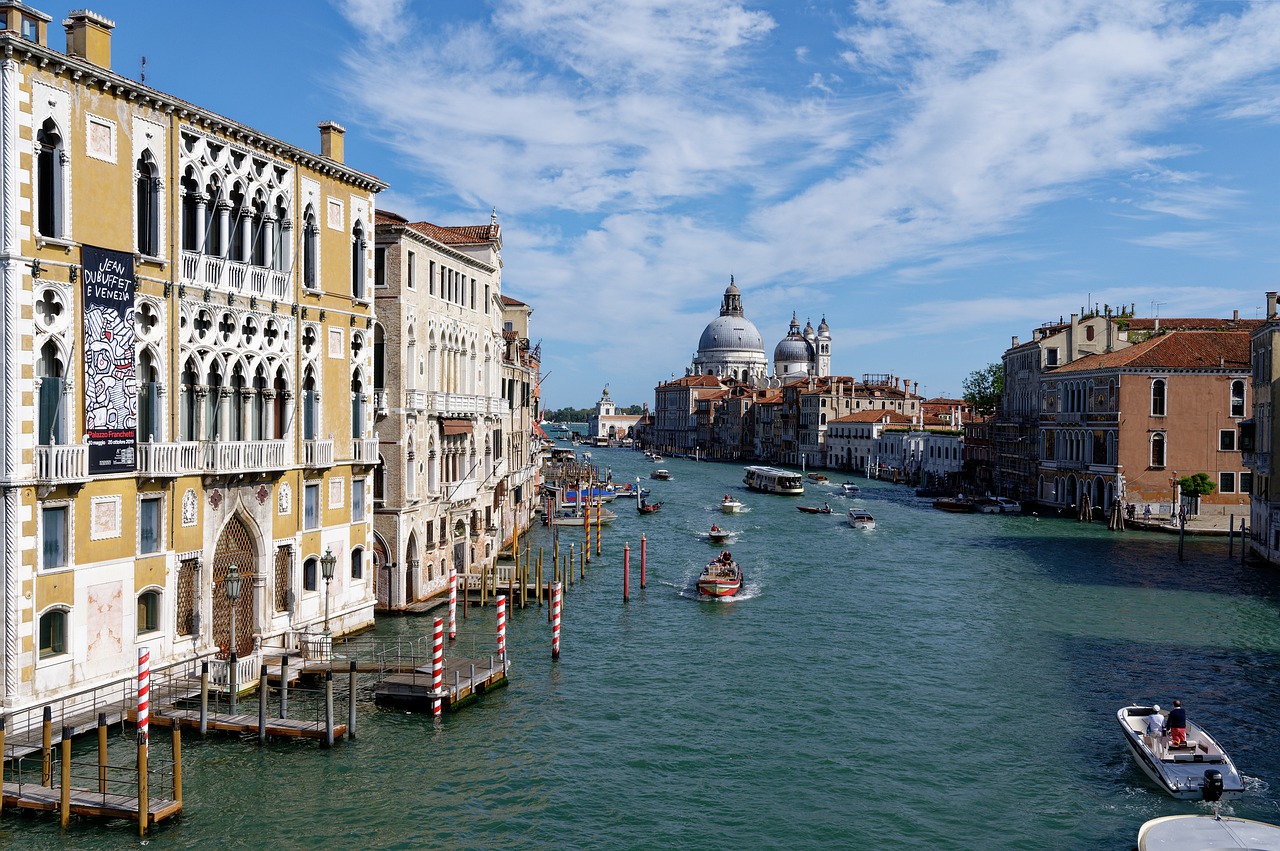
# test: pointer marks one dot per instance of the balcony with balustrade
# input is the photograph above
(462, 404)
(364, 450)
(238, 457)
(169, 460)
(317, 454)
(415, 400)
(62, 463)
(226, 275)
(462, 491)
(380, 408)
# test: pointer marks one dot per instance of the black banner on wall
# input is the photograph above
(110, 376)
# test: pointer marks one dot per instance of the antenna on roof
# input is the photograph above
(143, 74)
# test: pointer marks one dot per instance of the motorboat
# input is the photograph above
(811, 509)
(817, 477)
(570, 516)
(1199, 770)
(956, 505)
(998, 505)
(729, 505)
(717, 535)
(1205, 832)
(664, 475)
(648, 507)
(721, 578)
(861, 519)
(849, 489)
(773, 480)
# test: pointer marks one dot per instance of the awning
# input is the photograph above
(455, 426)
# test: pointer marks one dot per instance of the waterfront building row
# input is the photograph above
(214, 363)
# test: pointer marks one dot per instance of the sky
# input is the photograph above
(933, 178)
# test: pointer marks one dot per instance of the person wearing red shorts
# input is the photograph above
(1177, 725)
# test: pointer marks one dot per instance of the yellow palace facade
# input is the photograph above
(186, 311)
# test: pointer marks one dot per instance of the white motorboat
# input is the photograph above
(1207, 833)
(1186, 772)
(999, 505)
(850, 489)
(664, 475)
(729, 505)
(861, 520)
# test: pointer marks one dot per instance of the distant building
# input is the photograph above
(1260, 435)
(607, 424)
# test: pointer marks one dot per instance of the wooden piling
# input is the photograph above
(643, 548)
(351, 701)
(3, 720)
(599, 539)
(284, 686)
(583, 558)
(204, 699)
(177, 763)
(539, 577)
(328, 707)
(64, 799)
(143, 790)
(262, 705)
(626, 572)
(46, 749)
(1182, 531)
(102, 752)
(1231, 536)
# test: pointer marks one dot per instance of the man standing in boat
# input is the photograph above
(1155, 730)
(1176, 724)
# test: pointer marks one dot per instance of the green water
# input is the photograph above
(940, 682)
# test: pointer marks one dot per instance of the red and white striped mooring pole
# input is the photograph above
(437, 667)
(144, 695)
(453, 603)
(555, 621)
(501, 603)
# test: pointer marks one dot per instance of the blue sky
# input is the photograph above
(932, 177)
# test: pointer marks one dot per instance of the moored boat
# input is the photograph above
(956, 505)
(1199, 770)
(721, 578)
(1204, 832)
(571, 516)
(729, 505)
(861, 519)
(998, 505)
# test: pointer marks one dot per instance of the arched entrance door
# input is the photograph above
(381, 573)
(235, 547)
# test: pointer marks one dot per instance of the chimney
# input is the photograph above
(1235, 315)
(89, 37)
(1015, 342)
(1271, 305)
(331, 134)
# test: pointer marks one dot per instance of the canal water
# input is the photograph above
(943, 681)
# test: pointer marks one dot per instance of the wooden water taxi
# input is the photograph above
(721, 578)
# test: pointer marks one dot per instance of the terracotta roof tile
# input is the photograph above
(884, 416)
(1175, 350)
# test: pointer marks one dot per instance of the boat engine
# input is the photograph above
(1212, 788)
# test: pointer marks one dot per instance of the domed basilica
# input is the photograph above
(732, 349)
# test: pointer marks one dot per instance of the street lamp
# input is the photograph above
(328, 562)
(233, 594)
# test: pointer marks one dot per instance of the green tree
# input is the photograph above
(983, 388)
(1198, 485)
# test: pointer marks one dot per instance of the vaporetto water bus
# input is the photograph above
(773, 480)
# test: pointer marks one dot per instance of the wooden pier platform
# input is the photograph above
(84, 802)
(246, 723)
(460, 686)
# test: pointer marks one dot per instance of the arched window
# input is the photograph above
(1157, 449)
(310, 250)
(380, 483)
(260, 234)
(357, 261)
(213, 403)
(259, 416)
(192, 218)
(357, 563)
(239, 396)
(148, 611)
(53, 633)
(148, 206)
(1158, 398)
(1237, 398)
(310, 571)
(357, 408)
(188, 426)
(49, 216)
(379, 357)
(52, 426)
(281, 258)
(310, 408)
(148, 398)
(279, 406)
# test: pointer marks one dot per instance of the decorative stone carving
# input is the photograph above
(189, 507)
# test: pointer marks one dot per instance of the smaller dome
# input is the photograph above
(822, 327)
(791, 350)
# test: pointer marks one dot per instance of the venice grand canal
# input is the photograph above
(942, 681)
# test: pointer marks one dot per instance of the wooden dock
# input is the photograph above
(32, 796)
(288, 728)
(464, 681)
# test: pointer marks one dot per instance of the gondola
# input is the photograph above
(648, 507)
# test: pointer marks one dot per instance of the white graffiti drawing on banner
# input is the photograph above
(110, 404)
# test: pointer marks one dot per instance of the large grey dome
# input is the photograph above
(735, 333)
